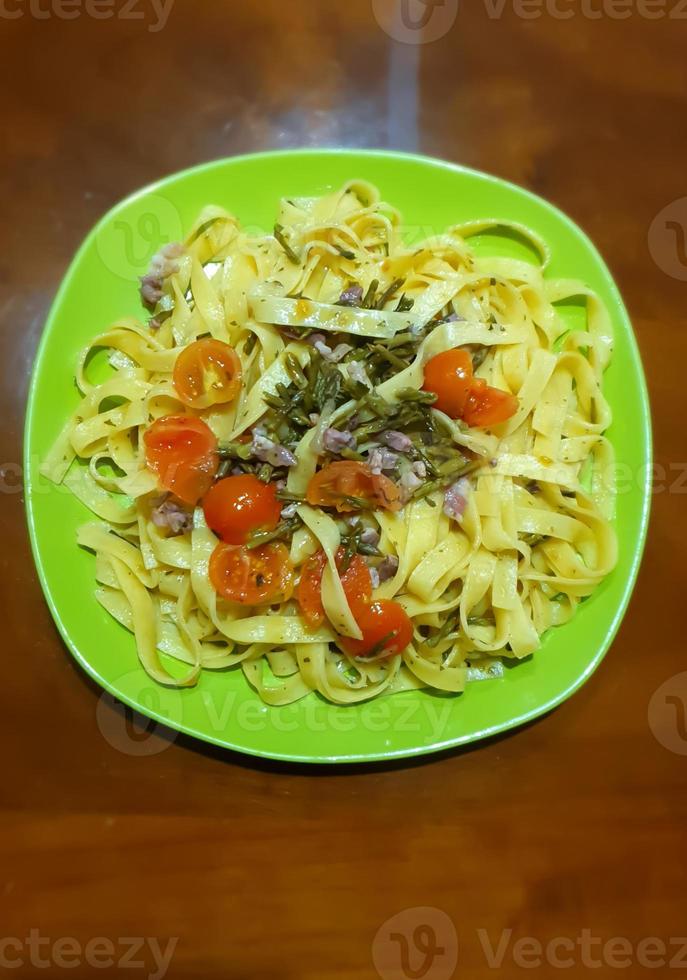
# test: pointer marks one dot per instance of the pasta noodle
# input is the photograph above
(482, 550)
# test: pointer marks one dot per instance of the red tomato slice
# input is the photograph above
(252, 576)
(386, 630)
(333, 483)
(355, 579)
(449, 375)
(207, 372)
(461, 396)
(309, 597)
(238, 505)
(487, 406)
(182, 451)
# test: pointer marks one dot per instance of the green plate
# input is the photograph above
(101, 285)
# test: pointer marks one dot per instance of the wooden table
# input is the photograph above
(262, 870)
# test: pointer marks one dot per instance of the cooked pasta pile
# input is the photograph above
(405, 532)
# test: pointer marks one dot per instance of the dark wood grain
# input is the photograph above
(577, 821)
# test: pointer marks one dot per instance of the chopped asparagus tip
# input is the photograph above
(284, 529)
(281, 238)
(388, 293)
(368, 299)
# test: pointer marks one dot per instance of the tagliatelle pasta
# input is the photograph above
(413, 544)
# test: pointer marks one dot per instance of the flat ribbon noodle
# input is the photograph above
(535, 538)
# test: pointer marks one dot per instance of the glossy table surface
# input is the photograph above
(110, 832)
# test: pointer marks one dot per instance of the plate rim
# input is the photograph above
(390, 755)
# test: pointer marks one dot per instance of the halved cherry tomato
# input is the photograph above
(487, 406)
(333, 483)
(355, 579)
(386, 630)
(449, 375)
(182, 451)
(207, 372)
(238, 505)
(252, 576)
(309, 597)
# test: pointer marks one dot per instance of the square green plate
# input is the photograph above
(101, 285)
